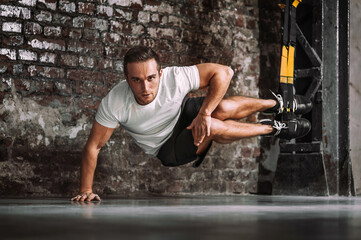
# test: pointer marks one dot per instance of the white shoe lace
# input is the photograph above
(280, 101)
(278, 126)
(295, 105)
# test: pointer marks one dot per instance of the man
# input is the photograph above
(153, 107)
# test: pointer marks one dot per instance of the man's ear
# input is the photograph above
(160, 73)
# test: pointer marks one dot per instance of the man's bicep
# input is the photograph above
(208, 70)
(205, 73)
(99, 135)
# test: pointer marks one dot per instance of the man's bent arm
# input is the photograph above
(99, 135)
(217, 77)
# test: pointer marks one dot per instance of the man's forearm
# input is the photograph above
(218, 86)
(88, 165)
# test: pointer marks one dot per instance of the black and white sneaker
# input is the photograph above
(296, 128)
(301, 104)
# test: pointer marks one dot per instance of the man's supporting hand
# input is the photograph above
(201, 127)
(87, 196)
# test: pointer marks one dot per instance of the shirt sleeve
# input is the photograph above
(190, 77)
(104, 115)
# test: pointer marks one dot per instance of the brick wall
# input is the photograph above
(59, 58)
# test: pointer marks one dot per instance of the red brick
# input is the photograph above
(136, 5)
(44, 87)
(72, 33)
(105, 11)
(111, 79)
(62, 20)
(66, 6)
(22, 84)
(51, 31)
(175, 187)
(47, 72)
(105, 64)
(52, 100)
(114, 51)
(63, 88)
(88, 22)
(256, 152)
(131, 40)
(6, 53)
(85, 48)
(8, 1)
(88, 103)
(86, 8)
(13, 40)
(163, 45)
(11, 68)
(48, 57)
(246, 152)
(124, 14)
(240, 21)
(27, 55)
(116, 26)
(148, 42)
(51, 4)
(84, 75)
(100, 90)
(88, 62)
(69, 60)
(44, 16)
(33, 28)
(26, 86)
(127, 27)
(138, 29)
(91, 35)
(6, 68)
(45, 43)
(111, 38)
(90, 88)
(14, 11)
(184, 59)
(153, 2)
(251, 23)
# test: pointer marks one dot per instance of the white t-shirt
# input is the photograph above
(150, 125)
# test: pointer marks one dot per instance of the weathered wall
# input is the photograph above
(59, 58)
(355, 92)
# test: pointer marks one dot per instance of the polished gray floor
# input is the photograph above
(209, 217)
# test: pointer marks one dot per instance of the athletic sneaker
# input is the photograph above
(296, 128)
(302, 105)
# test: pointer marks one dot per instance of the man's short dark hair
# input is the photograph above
(140, 54)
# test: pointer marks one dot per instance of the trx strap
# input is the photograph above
(288, 57)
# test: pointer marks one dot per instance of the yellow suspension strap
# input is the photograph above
(288, 57)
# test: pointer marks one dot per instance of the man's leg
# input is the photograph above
(238, 107)
(229, 131)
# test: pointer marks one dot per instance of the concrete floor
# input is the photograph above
(209, 217)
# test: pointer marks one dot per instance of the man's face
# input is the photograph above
(143, 78)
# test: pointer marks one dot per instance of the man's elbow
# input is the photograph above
(229, 72)
(92, 148)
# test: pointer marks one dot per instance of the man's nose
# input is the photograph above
(145, 86)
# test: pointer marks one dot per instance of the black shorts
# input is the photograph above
(179, 149)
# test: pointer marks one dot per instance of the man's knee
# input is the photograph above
(217, 127)
(223, 110)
